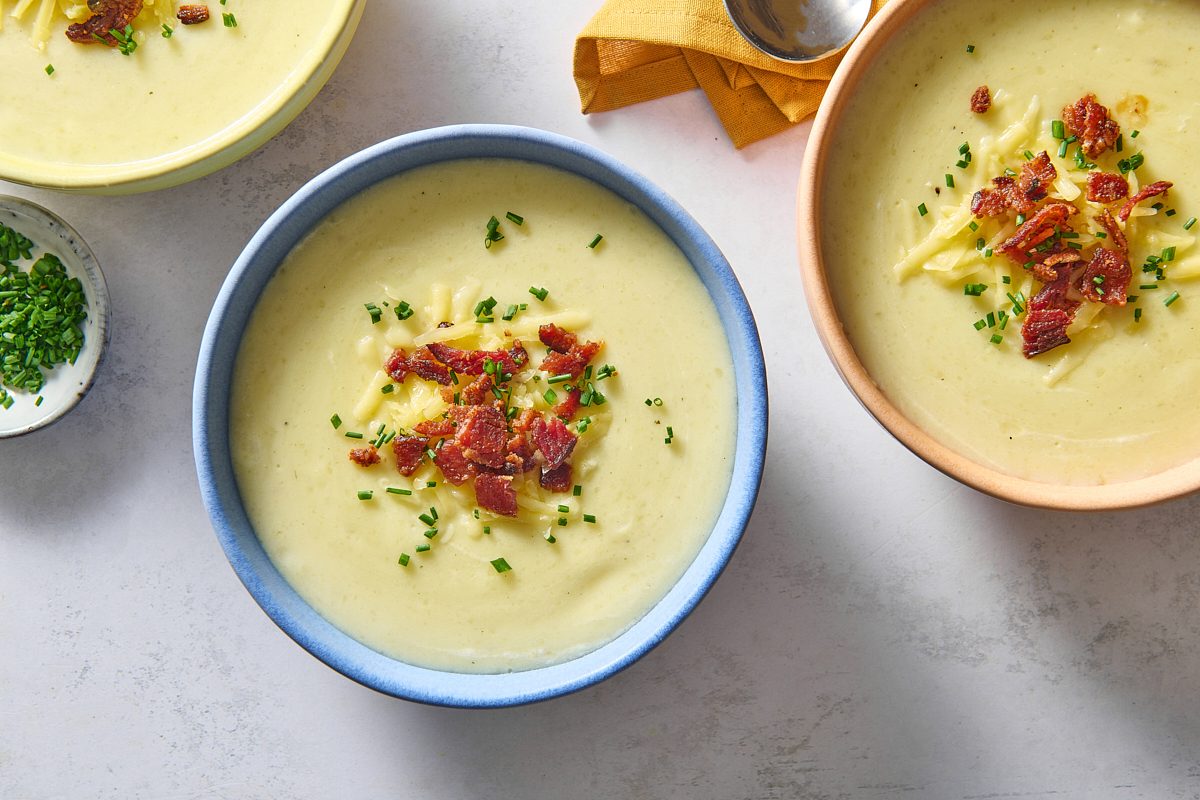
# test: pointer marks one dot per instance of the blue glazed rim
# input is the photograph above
(210, 415)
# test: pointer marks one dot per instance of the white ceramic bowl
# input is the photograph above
(66, 384)
(223, 335)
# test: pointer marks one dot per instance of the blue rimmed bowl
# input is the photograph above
(214, 375)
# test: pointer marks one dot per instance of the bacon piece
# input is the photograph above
(495, 493)
(1044, 329)
(1089, 121)
(478, 392)
(571, 362)
(365, 456)
(1021, 194)
(192, 14)
(1156, 188)
(107, 15)
(1106, 187)
(471, 362)
(425, 365)
(520, 456)
(554, 440)
(1037, 229)
(434, 428)
(1045, 270)
(981, 100)
(396, 365)
(556, 338)
(1114, 272)
(409, 450)
(482, 434)
(557, 479)
(454, 464)
(567, 407)
(524, 421)
(1115, 235)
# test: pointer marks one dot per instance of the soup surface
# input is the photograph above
(100, 109)
(1117, 402)
(312, 350)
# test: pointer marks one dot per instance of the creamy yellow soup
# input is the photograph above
(1118, 402)
(311, 351)
(103, 117)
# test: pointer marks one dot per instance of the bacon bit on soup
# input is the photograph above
(192, 14)
(1106, 187)
(1090, 122)
(554, 440)
(495, 493)
(556, 338)
(454, 464)
(557, 479)
(1045, 329)
(409, 450)
(482, 434)
(1154, 189)
(1037, 229)
(981, 100)
(108, 15)
(571, 362)
(365, 456)
(1021, 194)
(569, 405)
(1046, 271)
(1106, 277)
(474, 362)
(1115, 235)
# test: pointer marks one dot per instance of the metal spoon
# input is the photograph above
(798, 30)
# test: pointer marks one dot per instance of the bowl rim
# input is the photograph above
(1168, 484)
(196, 159)
(82, 263)
(239, 294)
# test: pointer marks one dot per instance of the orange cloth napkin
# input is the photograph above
(636, 50)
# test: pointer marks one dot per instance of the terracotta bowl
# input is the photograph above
(859, 62)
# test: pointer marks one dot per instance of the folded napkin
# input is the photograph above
(636, 50)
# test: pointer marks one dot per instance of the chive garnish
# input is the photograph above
(403, 561)
(1187, 226)
(432, 532)
(1171, 298)
(996, 338)
(427, 519)
(335, 421)
(423, 547)
(1058, 130)
(403, 311)
(229, 20)
(500, 565)
(589, 518)
(487, 529)
(540, 294)
(562, 509)
(562, 521)
(1171, 212)
(1137, 315)
(353, 435)
(595, 241)
(1062, 149)
(970, 48)
(949, 181)
(365, 494)
(395, 490)
(167, 31)
(576, 490)
(549, 537)
(1005, 279)
(962, 164)
(1135, 134)
(922, 210)
(974, 289)
(559, 378)
(493, 234)
(39, 401)
(49, 69)
(516, 219)
(387, 388)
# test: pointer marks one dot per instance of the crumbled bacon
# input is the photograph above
(482, 434)
(495, 493)
(520, 456)
(108, 15)
(1089, 121)
(478, 392)
(567, 407)
(523, 422)
(1113, 271)
(365, 456)
(434, 428)
(554, 440)
(981, 100)
(396, 365)
(1044, 329)
(557, 479)
(557, 339)
(409, 450)
(571, 362)
(1037, 229)
(192, 14)
(453, 463)
(1115, 235)
(1154, 189)
(1045, 270)
(421, 363)
(1106, 187)
(1021, 194)
(471, 362)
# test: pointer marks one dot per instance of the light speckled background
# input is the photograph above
(882, 631)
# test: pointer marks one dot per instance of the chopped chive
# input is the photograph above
(167, 31)
(403, 560)
(433, 512)
(964, 148)
(922, 210)
(353, 435)
(549, 537)
(540, 294)
(365, 494)
(423, 547)
(962, 164)
(1171, 212)
(1062, 150)
(1187, 226)
(576, 490)
(1058, 130)
(500, 565)
(39, 400)
(1020, 219)
(1169, 253)
(403, 310)
(487, 529)
(949, 181)
(516, 219)
(509, 313)
(427, 519)
(229, 20)
(1028, 155)
(559, 378)
(591, 518)
(551, 397)
(1135, 134)
(974, 289)
(1171, 298)
(595, 241)
(564, 509)
(1120, 142)
(49, 69)
(388, 388)
(395, 490)
(973, 225)
(1137, 315)
(970, 48)
(991, 319)
(432, 532)
(1147, 286)
(562, 521)
(1005, 279)
(979, 324)
(996, 338)
(987, 252)
(335, 421)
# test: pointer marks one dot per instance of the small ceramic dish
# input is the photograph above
(950, 367)
(66, 384)
(212, 414)
(185, 101)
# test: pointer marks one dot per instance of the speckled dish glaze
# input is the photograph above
(211, 400)
(66, 384)
(895, 19)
